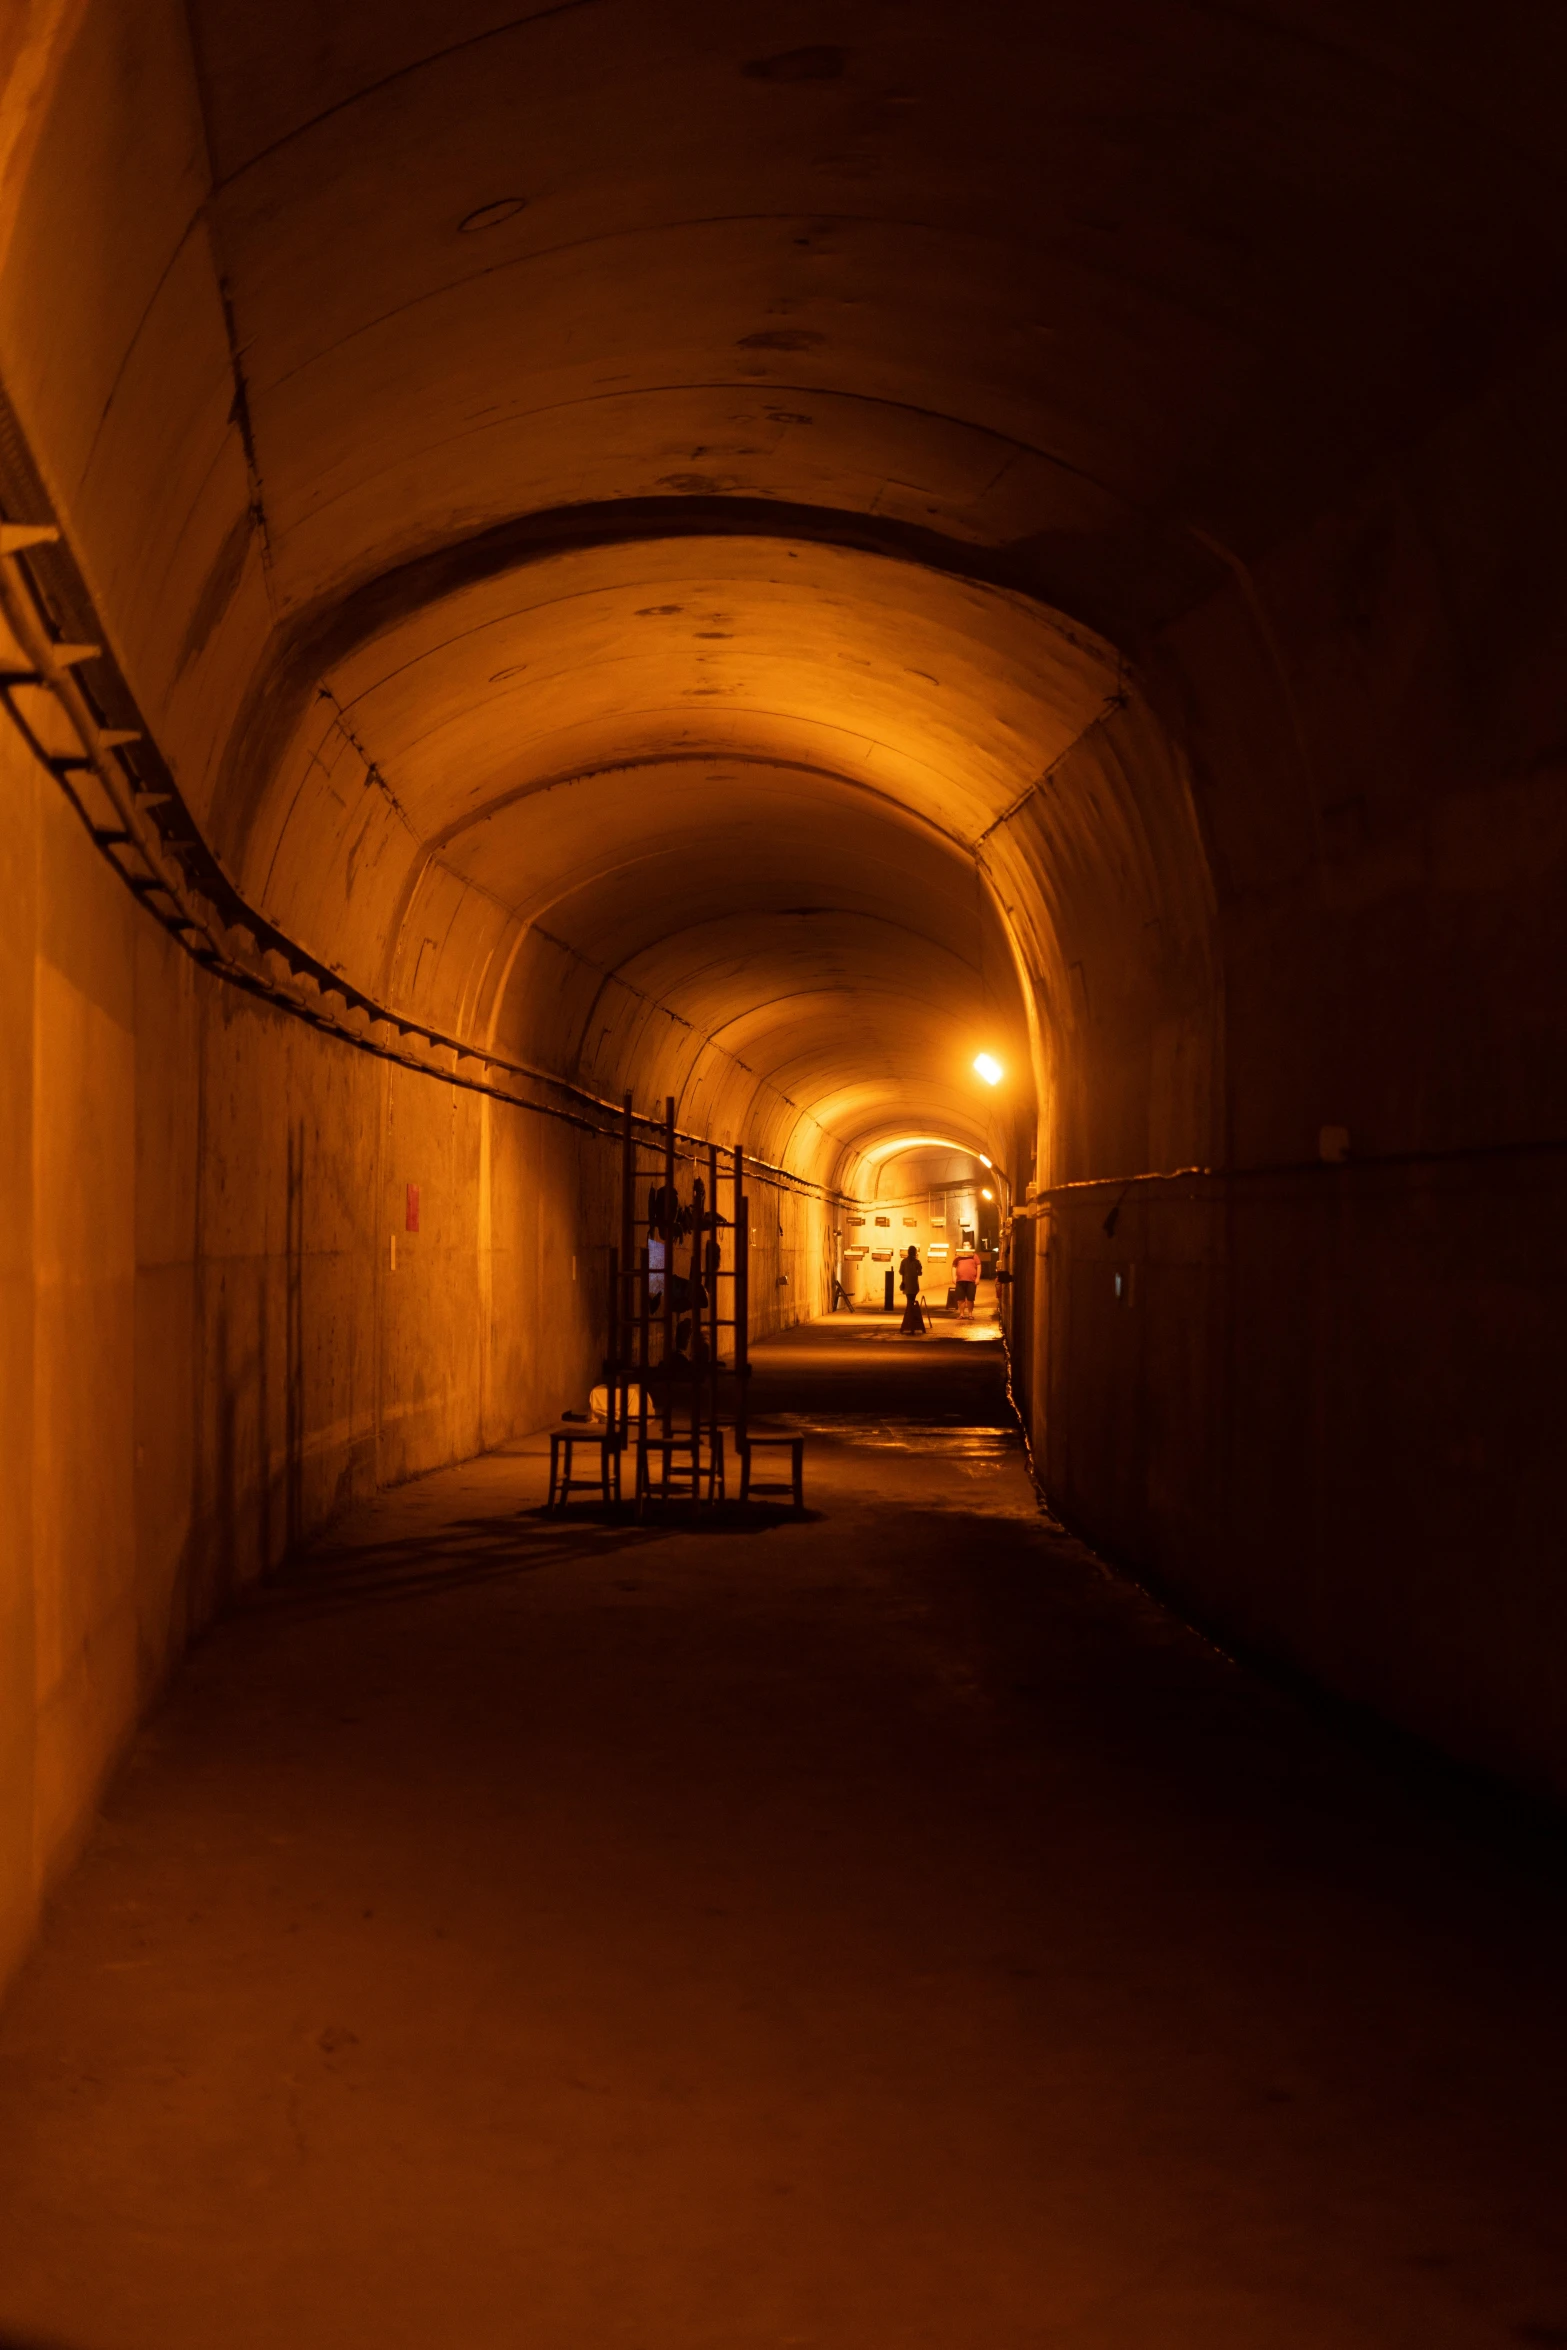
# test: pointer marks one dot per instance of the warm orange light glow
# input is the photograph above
(987, 1194)
(989, 1068)
(911, 1142)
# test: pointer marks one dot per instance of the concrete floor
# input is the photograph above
(884, 1930)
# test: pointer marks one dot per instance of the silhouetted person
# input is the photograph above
(910, 1274)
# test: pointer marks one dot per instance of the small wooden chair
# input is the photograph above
(681, 1466)
(793, 1484)
(563, 1478)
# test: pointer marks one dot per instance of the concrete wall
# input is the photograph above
(1323, 1408)
(1326, 1406)
(203, 1346)
(791, 1258)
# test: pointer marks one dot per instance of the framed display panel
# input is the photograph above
(881, 1256)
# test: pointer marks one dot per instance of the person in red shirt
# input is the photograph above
(965, 1278)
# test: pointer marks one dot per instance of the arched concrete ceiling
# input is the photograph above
(901, 977)
(517, 704)
(575, 486)
(918, 1169)
(1013, 272)
(659, 754)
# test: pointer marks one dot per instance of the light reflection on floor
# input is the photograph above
(918, 1436)
(943, 1328)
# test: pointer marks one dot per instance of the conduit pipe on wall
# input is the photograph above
(1029, 1211)
(86, 759)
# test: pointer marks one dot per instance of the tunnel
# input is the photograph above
(961, 610)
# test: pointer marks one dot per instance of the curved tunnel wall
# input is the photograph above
(875, 545)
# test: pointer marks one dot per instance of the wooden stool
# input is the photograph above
(680, 1478)
(715, 1467)
(682, 1483)
(563, 1480)
(793, 1484)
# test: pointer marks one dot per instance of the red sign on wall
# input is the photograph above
(413, 1207)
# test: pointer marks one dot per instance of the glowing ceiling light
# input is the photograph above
(984, 1162)
(989, 1068)
(987, 1195)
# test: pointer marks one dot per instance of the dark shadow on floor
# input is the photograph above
(678, 1517)
(466, 1551)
